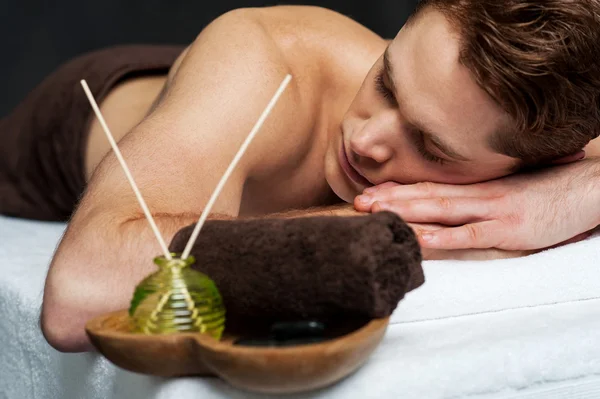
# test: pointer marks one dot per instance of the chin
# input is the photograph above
(342, 192)
(336, 180)
(340, 189)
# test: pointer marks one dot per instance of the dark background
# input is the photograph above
(37, 35)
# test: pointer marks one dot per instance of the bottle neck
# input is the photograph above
(174, 263)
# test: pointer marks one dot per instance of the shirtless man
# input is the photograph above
(360, 112)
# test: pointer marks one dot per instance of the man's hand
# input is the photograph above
(521, 212)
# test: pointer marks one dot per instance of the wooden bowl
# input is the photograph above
(259, 369)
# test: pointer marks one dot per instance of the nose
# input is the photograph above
(370, 142)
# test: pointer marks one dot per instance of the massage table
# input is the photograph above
(510, 328)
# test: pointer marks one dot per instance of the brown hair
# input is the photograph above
(540, 61)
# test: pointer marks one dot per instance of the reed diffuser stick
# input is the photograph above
(115, 148)
(232, 165)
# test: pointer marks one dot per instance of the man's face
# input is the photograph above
(419, 116)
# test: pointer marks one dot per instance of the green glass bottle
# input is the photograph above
(177, 298)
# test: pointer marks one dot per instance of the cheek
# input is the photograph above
(471, 174)
(488, 172)
(418, 172)
(408, 168)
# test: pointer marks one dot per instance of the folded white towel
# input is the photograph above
(458, 288)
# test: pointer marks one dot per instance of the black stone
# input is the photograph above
(297, 329)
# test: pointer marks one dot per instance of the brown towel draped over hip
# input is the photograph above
(43, 141)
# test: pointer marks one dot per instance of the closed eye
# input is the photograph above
(382, 89)
(421, 148)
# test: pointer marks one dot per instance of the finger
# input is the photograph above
(421, 228)
(444, 210)
(422, 190)
(424, 227)
(361, 204)
(381, 186)
(476, 235)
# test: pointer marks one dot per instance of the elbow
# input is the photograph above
(62, 327)
(65, 312)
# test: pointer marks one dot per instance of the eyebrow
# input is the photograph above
(388, 71)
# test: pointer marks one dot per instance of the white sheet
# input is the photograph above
(518, 328)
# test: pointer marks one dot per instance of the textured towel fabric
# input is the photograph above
(314, 267)
(513, 328)
(43, 141)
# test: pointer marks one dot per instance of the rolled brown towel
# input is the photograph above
(315, 267)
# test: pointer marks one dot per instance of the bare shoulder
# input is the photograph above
(321, 30)
(312, 18)
(306, 35)
(217, 91)
(315, 44)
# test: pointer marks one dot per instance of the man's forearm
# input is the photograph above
(101, 260)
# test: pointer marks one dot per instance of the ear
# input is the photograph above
(569, 158)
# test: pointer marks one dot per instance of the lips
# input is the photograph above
(352, 173)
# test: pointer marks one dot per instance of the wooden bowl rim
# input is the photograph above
(95, 327)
